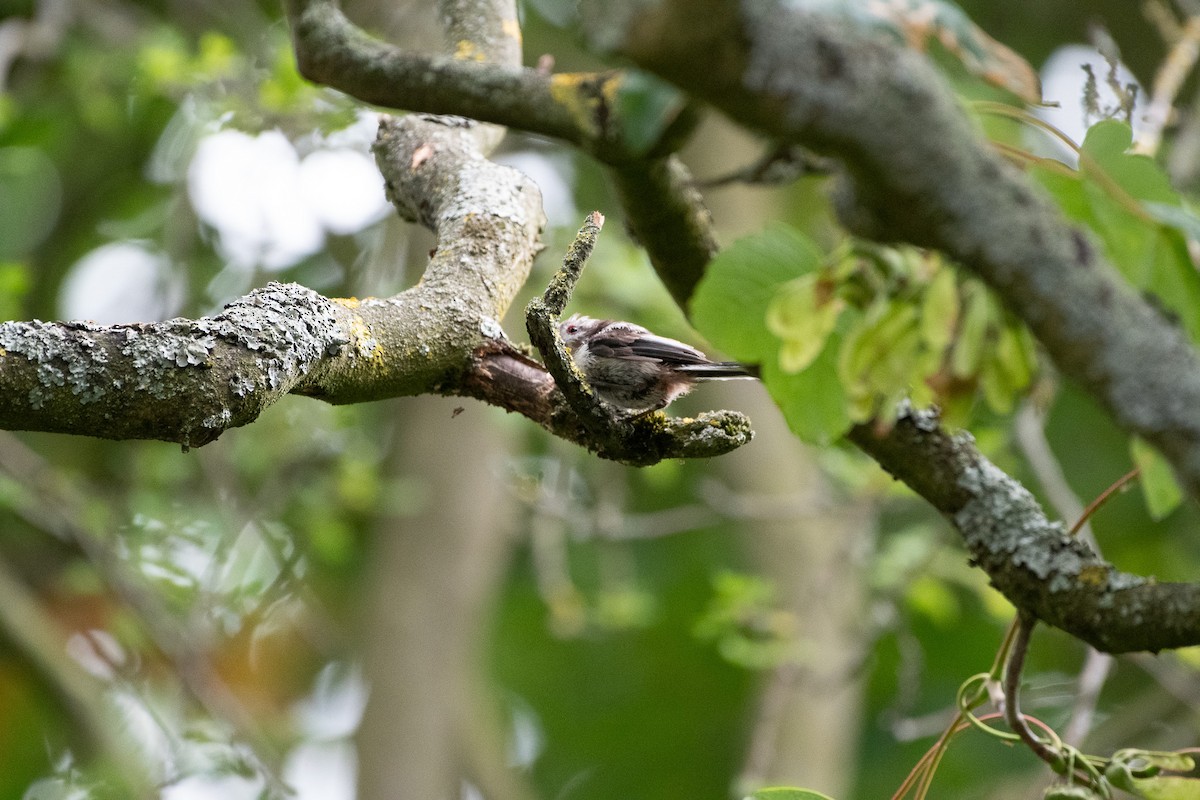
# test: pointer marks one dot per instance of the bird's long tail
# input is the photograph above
(721, 370)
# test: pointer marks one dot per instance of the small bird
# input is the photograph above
(636, 370)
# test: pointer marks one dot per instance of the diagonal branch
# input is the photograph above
(1034, 562)
(669, 219)
(922, 173)
(665, 212)
(333, 51)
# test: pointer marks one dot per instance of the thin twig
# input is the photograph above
(1012, 703)
(541, 320)
(1119, 484)
(1012, 689)
(641, 440)
(1169, 79)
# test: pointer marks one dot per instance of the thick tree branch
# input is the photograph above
(182, 380)
(668, 217)
(189, 380)
(923, 174)
(665, 212)
(333, 51)
(812, 79)
(1034, 562)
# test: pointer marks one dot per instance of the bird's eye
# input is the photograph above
(572, 328)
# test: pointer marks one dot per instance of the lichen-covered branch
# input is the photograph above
(664, 210)
(184, 381)
(633, 440)
(333, 51)
(922, 173)
(1034, 562)
(187, 381)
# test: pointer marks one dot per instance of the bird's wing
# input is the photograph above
(670, 351)
(635, 343)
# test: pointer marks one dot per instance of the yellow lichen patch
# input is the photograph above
(583, 94)
(609, 86)
(466, 50)
(1094, 575)
(348, 302)
(512, 29)
(363, 341)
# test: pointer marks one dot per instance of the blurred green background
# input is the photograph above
(426, 597)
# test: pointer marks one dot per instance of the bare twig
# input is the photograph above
(1034, 562)
(1168, 80)
(1012, 693)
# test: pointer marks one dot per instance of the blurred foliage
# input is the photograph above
(748, 625)
(844, 339)
(1127, 201)
(632, 632)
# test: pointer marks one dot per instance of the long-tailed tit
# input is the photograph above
(632, 368)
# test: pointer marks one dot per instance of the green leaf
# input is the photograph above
(1182, 219)
(803, 319)
(1012, 356)
(1159, 488)
(646, 107)
(1138, 772)
(968, 350)
(1104, 148)
(939, 311)
(997, 391)
(1165, 787)
(813, 401)
(787, 793)
(730, 307)
(1067, 191)
(1066, 792)
(730, 304)
(870, 339)
(1126, 199)
(1007, 369)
